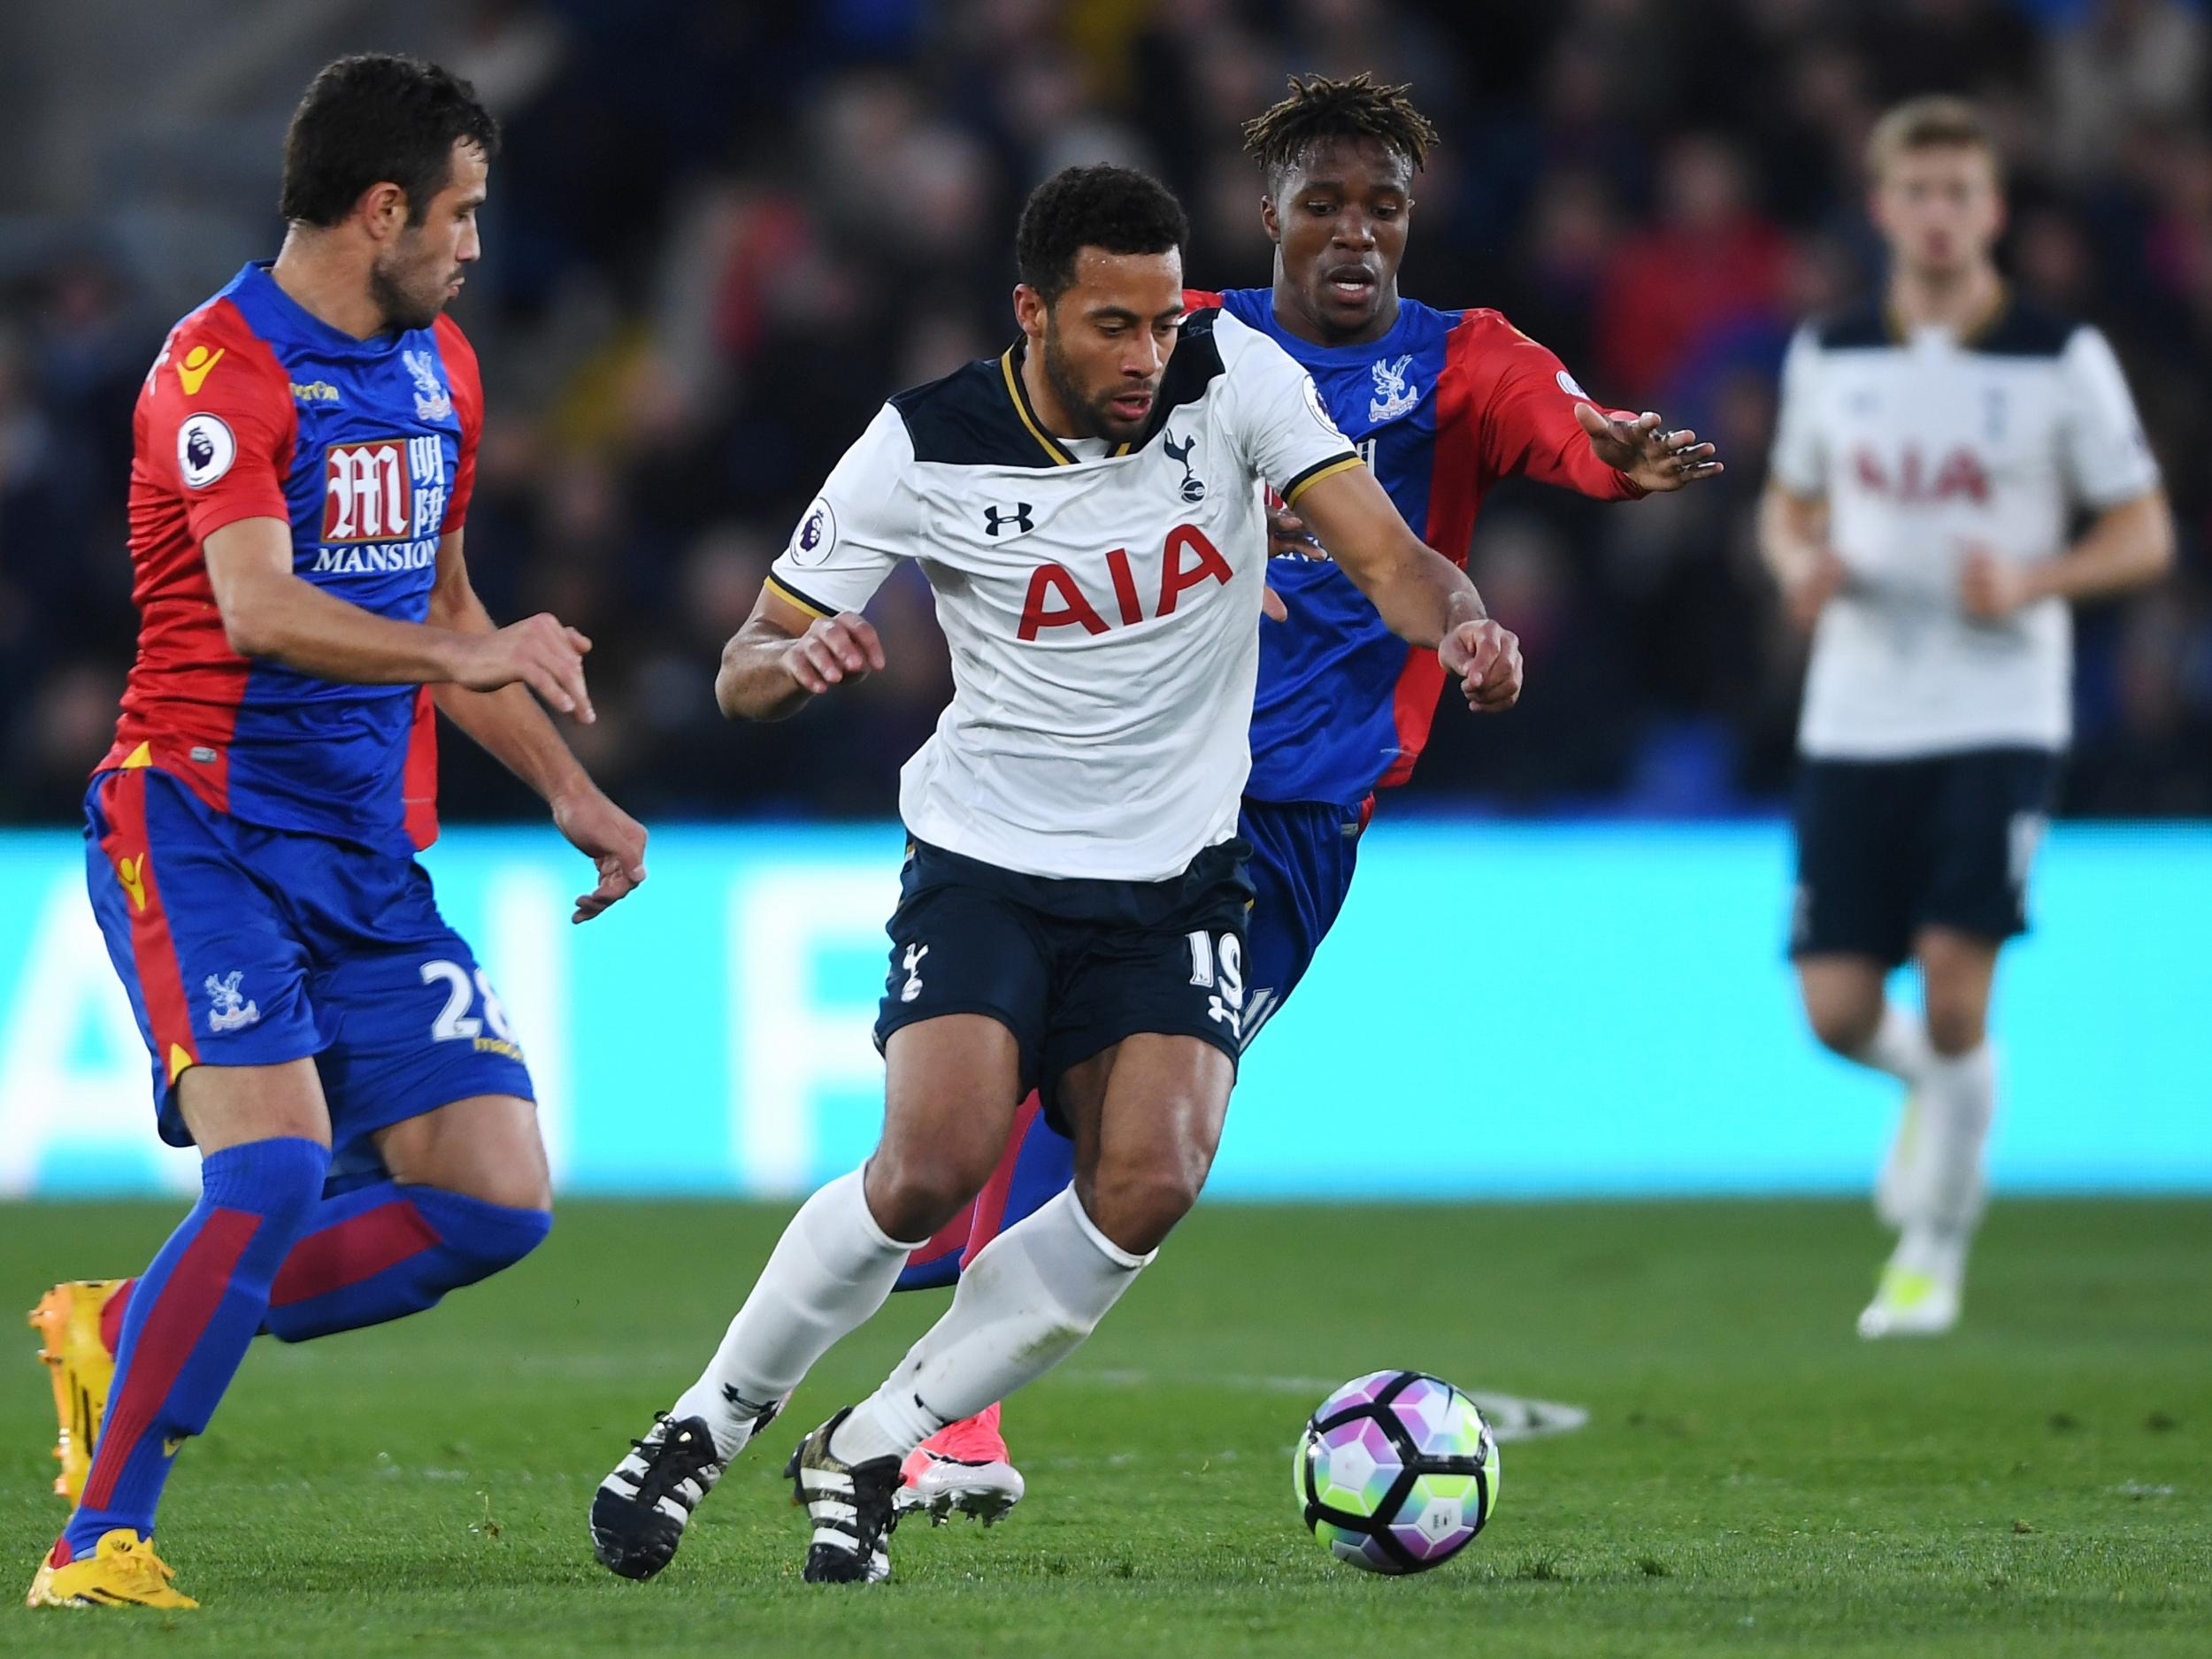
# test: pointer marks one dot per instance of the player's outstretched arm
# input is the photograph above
(1532, 420)
(2128, 546)
(1422, 597)
(508, 724)
(1645, 451)
(270, 612)
(784, 657)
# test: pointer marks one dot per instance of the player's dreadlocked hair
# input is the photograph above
(1318, 107)
(1118, 209)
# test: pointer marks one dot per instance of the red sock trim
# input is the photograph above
(352, 1250)
(173, 1327)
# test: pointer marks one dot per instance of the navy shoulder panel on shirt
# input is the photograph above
(980, 416)
(2021, 329)
(2024, 329)
(1195, 365)
(1861, 328)
(970, 419)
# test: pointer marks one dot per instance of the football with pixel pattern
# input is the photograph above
(1396, 1472)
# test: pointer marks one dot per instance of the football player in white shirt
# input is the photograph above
(1932, 450)
(1088, 509)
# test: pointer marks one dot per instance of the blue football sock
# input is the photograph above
(388, 1250)
(191, 1316)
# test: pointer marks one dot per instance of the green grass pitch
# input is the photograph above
(1752, 1480)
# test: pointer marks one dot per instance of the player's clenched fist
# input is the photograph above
(1807, 592)
(540, 652)
(1487, 659)
(833, 651)
(1991, 586)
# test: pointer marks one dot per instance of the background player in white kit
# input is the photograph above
(1088, 509)
(1933, 449)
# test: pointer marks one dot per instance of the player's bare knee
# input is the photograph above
(1844, 1012)
(1844, 1018)
(1137, 1202)
(1956, 971)
(913, 1190)
(516, 1175)
(486, 1147)
(1843, 999)
(1842, 1028)
(513, 1189)
(518, 1183)
(229, 1105)
(1137, 1215)
(1956, 1027)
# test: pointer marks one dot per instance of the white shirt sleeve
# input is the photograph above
(1799, 462)
(1278, 422)
(2109, 460)
(854, 533)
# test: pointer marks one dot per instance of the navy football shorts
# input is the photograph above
(1886, 847)
(1069, 965)
(1300, 870)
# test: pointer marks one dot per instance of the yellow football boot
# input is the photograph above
(123, 1572)
(67, 1318)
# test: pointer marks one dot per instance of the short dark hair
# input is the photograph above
(1117, 209)
(378, 118)
(1318, 108)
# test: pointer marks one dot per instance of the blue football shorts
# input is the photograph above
(245, 946)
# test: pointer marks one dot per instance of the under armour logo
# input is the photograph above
(1194, 488)
(912, 988)
(995, 518)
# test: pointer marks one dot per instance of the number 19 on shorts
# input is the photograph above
(1218, 966)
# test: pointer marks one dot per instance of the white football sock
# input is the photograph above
(832, 1269)
(1025, 1303)
(1899, 1046)
(1958, 1101)
(1938, 1252)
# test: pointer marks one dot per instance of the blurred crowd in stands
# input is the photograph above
(720, 234)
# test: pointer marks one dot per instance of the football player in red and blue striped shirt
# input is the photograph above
(305, 444)
(1442, 405)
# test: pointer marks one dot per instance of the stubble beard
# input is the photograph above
(1092, 418)
(401, 310)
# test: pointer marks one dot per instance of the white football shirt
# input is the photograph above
(1102, 602)
(1923, 446)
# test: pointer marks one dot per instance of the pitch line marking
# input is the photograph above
(1511, 1417)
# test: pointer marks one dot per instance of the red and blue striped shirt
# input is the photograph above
(1442, 408)
(367, 448)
